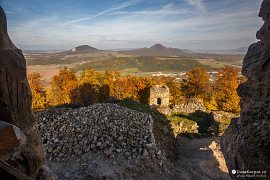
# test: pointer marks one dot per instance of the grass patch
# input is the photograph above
(213, 64)
(203, 120)
(130, 70)
(176, 118)
(182, 125)
(142, 108)
(223, 126)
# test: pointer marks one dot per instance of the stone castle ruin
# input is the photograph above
(159, 96)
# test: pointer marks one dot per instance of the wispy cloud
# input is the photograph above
(121, 6)
(197, 4)
(10, 12)
(195, 24)
(98, 36)
(167, 9)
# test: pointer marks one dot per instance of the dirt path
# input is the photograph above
(201, 159)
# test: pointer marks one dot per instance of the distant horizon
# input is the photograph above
(122, 49)
(119, 24)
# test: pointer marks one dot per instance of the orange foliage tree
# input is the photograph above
(90, 89)
(176, 96)
(226, 86)
(123, 88)
(61, 87)
(108, 80)
(197, 84)
(38, 91)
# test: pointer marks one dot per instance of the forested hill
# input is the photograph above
(157, 50)
(144, 64)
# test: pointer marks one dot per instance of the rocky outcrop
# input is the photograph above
(26, 158)
(15, 96)
(246, 143)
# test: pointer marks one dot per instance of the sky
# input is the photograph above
(117, 24)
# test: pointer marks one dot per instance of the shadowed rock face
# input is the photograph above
(246, 143)
(15, 95)
(27, 159)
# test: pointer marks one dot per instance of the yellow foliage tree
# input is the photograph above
(61, 87)
(123, 88)
(226, 84)
(211, 103)
(109, 78)
(90, 76)
(197, 84)
(90, 89)
(38, 91)
(176, 96)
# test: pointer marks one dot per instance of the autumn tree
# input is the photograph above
(109, 78)
(122, 88)
(176, 96)
(112, 75)
(38, 91)
(90, 89)
(210, 102)
(90, 76)
(226, 84)
(141, 88)
(197, 83)
(61, 87)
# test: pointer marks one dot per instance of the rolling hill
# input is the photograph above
(241, 50)
(236, 51)
(76, 55)
(157, 50)
(83, 49)
(82, 54)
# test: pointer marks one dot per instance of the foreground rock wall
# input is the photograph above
(246, 143)
(15, 96)
(24, 159)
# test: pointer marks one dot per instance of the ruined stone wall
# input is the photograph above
(246, 143)
(159, 92)
(188, 106)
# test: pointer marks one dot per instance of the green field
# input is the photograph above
(216, 64)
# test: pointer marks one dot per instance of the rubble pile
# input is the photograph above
(110, 128)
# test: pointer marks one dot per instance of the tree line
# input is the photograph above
(95, 87)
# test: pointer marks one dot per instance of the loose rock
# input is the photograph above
(107, 127)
